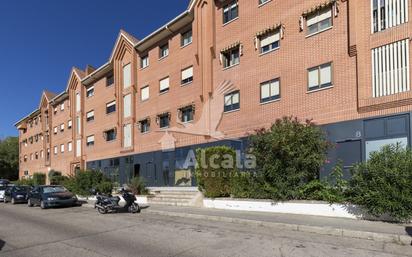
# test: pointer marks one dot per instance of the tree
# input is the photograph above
(9, 158)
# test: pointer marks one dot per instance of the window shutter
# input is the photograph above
(126, 76)
(77, 102)
(269, 39)
(90, 139)
(164, 84)
(313, 78)
(111, 104)
(274, 88)
(326, 14)
(235, 98)
(265, 91)
(325, 74)
(90, 114)
(127, 110)
(145, 93)
(187, 73)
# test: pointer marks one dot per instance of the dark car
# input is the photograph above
(51, 196)
(16, 194)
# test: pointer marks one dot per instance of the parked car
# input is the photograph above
(3, 187)
(16, 194)
(51, 196)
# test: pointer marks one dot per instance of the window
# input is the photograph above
(61, 109)
(90, 140)
(69, 146)
(230, 12)
(127, 76)
(62, 127)
(127, 135)
(164, 120)
(109, 80)
(77, 102)
(78, 125)
(127, 106)
(55, 150)
(25, 158)
(263, 1)
(78, 147)
(26, 173)
(388, 13)
(390, 69)
(319, 21)
(69, 124)
(269, 91)
(144, 93)
(187, 75)
(90, 116)
(186, 114)
(111, 107)
(144, 126)
(232, 101)
(231, 57)
(90, 92)
(54, 112)
(186, 38)
(164, 85)
(270, 41)
(31, 157)
(110, 135)
(55, 130)
(62, 148)
(144, 61)
(163, 51)
(320, 77)
(41, 154)
(36, 155)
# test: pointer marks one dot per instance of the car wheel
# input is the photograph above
(43, 205)
(13, 201)
(29, 203)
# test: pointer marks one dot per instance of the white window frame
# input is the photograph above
(62, 148)
(78, 102)
(269, 40)
(90, 91)
(164, 51)
(127, 136)
(273, 91)
(90, 116)
(391, 14)
(186, 38)
(90, 141)
(69, 146)
(320, 77)
(144, 61)
(127, 106)
(316, 18)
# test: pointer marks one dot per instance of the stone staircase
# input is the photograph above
(175, 196)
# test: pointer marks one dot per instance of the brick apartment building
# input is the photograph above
(219, 71)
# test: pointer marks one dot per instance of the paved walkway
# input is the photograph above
(378, 231)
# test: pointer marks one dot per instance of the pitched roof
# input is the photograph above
(49, 95)
(129, 37)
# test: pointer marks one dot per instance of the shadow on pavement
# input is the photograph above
(2, 243)
(409, 231)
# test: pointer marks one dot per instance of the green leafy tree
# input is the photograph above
(289, 155)
(9, 158)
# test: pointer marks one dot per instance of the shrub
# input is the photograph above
(383, 185)
(289, 155)
(39, 179)
(215, 165)
(84, 181)
(137, 186)
(56, 178)
(24, 182)
(247, 185)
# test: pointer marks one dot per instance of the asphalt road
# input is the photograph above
(81, 231)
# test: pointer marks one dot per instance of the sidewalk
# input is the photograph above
(376, 231)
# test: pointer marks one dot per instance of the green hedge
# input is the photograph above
(39, 179)
(215, 166)
(84, 181)
(383, 185)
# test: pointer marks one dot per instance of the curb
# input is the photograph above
(330, 231)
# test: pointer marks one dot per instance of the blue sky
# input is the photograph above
(41, 40)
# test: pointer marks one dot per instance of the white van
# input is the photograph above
(3, 186)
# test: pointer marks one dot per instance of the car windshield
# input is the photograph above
(21, 188)
(48, 190)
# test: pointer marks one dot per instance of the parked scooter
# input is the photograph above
(123, 203)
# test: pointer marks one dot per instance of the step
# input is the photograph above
(175, 196)
(172, 198)
(171, 204)
(174, 193)
(169, 200)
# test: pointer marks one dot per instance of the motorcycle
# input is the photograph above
(123, 203)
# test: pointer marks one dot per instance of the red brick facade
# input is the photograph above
(347, 45)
